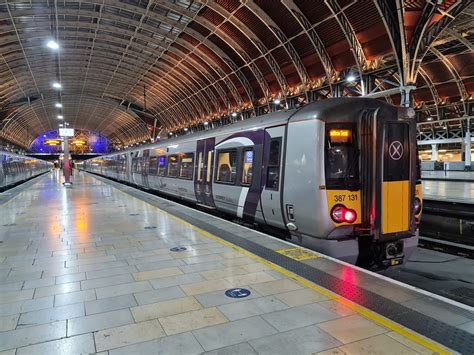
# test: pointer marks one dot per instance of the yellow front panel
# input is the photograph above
(350, 199)
(395, 206)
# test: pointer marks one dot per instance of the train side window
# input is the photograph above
(247, 167)
(173, 166)
(226, 166)
(273, 167)
(186, 166)
(162, 165)
(153, 168)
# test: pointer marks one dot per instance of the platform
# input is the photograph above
(449, 191)
(89, 269)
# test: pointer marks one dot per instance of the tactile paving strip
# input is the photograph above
(445, 334)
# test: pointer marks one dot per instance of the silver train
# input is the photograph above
(16, 168)
(338, 176)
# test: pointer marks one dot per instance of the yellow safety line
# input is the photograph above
(375, 317)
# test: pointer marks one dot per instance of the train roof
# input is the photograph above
(319, 109)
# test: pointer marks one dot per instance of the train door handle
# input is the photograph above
(290, 212)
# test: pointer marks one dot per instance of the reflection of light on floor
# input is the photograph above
(348, 274)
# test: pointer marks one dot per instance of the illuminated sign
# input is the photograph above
(249, 156)
(78, 142)
(52, 142)
(340, 135)
(66, 132)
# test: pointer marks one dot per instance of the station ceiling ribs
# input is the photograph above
(130, 68)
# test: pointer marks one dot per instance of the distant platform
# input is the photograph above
(449, 191)
(447, 175)
(103, 267)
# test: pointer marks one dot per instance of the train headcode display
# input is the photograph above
(340, 136)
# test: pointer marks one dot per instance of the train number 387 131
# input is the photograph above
(342, 198)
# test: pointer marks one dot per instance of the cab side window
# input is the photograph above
(226, 171)
(273, 168)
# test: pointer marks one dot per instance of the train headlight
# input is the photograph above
(417, 205)
(341, 214)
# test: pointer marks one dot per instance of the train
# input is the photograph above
(339, 176)
(15, 169)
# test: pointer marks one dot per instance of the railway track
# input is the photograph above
(448, 227)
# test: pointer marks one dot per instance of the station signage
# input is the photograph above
(66, 132)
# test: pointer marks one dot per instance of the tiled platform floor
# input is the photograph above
(89, 269)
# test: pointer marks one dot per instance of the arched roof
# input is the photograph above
(126, 65)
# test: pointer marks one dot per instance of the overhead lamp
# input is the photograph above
(61, 125)
(350, 78)
(185, 129)
(206, 123)
(60, 117)
(277, 101)
(234, 114)
(58, 105)
(430, 118)
(57, 85)
(52, 44)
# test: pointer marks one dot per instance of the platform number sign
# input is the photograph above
(237, 293)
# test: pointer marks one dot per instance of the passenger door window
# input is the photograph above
(273, 168)
(152, 170)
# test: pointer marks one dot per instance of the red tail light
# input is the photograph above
(341, 214)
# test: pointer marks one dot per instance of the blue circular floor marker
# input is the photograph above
(178, 249)
(237, 293)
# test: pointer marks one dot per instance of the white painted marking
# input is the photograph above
(242, 198)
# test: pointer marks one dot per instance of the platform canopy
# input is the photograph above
(131, 68)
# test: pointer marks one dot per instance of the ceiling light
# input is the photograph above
(60, 117)
(52, 44)
(350, 78)
(234, 114)
(56, 85)
(277, 101)
(185, 129)
(58, 105)
(61, 125)
(206, 123)
(430, 118)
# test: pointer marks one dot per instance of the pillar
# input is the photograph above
(434, 152)
(467, 150)
(67, 163)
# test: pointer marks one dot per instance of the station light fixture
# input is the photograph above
(206, 123)
(60, 117)
(57, 85)
(185, 129)
(61, 125)
(52, 44)
(277, 101)
(350, 78)
(58, 105)
(234, 114)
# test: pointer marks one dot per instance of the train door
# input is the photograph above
(145, 164)
(204, 172)
(272, 162)
(396, 187)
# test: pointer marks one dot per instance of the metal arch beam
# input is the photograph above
(331, 73)
(280, 35)
(432, 88)
(132, 23)
(432, 33)
(349, 33)
(238, 49)
(429, 10)
(397, 38)
(460, 38)
(252, 37)
(459, 83)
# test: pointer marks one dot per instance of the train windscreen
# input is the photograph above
(342, 157)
